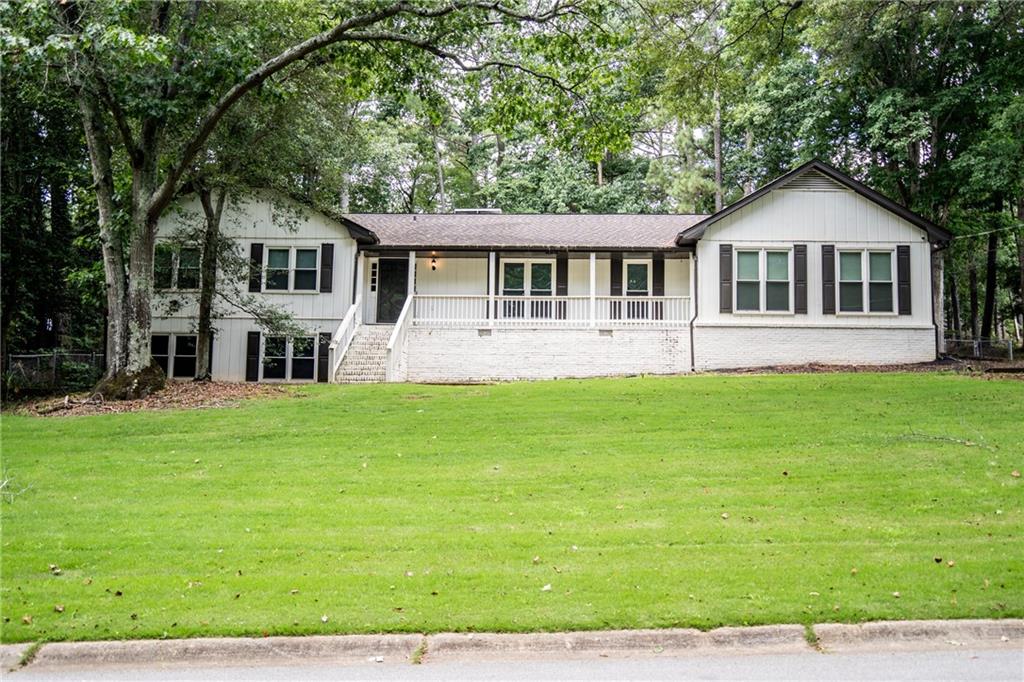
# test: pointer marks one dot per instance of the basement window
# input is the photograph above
(184, 357)
(175, 353)
(275, 357)
(303, 358)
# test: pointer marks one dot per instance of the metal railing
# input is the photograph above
(550, 311)
(396, 344)
(342, 338)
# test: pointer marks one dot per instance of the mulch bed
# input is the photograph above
(985, 369)
(177, 395)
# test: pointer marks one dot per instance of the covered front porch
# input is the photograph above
(523, 289)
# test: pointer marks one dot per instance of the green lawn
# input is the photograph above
(424, 508)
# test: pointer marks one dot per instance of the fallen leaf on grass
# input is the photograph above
(546, 588)
(26, 619)
(59, 608)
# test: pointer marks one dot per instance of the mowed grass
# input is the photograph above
(427, 508)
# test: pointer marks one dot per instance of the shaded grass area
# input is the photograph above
(648, 502)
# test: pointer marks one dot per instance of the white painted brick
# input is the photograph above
(723, 347)
(460, 355)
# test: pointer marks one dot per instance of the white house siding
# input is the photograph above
(454, 275)
(468, 275)
(783, 218)
(256, 220)
(467, 355)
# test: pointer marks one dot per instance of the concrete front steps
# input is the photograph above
(364, 361)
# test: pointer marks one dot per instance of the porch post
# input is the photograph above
(491, 278)
(593, 289)
(360, 265)
(412, 274)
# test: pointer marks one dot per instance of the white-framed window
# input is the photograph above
(303, 362)
(866, 281)
(764, 280)
(291, 268)
(289, 358)
(373, 276)
(176, 268)
(636, 277)
(527, 277)
(880, 282)
(175, 353)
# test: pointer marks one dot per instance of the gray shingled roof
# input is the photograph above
(534, 231)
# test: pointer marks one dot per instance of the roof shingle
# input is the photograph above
(533, 231)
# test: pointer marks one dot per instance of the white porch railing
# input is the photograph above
(560, 312)
(396, 344)
(342, 338)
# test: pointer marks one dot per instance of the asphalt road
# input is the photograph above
(967, 665)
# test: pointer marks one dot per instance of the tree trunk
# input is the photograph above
(954, 304)
(991, 278)
(600, 172)
(718, 150)
(748, 186)
(344, 194)
(972, 282)
(113, 258)
(442, 199)
(208, 279)
(1020, 255)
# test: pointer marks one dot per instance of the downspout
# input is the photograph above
(694, 298)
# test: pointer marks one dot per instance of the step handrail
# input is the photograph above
(342, 339)
(396, 343)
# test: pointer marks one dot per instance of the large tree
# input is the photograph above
(153, 81)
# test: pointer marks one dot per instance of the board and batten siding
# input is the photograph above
(840, 217)
(257, 220)
(814, 214)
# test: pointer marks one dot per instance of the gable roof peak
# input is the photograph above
(935, 233)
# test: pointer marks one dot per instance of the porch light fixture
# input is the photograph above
(433, 264)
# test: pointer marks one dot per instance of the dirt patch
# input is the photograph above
(176, 395)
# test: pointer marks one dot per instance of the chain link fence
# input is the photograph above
(34, 373)
(982, 349)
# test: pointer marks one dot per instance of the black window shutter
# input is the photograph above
(615, 285)
(658, 275)
(562, 275)
(326, 268)
(256, 267)
(903, 278)
(322, 355)
(800, 279)
(725, 278)
(828, 279)
(252, 357)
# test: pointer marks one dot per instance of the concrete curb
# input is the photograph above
(230, 651)
(404, 649)
(10, 655)
(617, 643)
(920, 634)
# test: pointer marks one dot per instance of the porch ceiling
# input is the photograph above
(526, 231)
